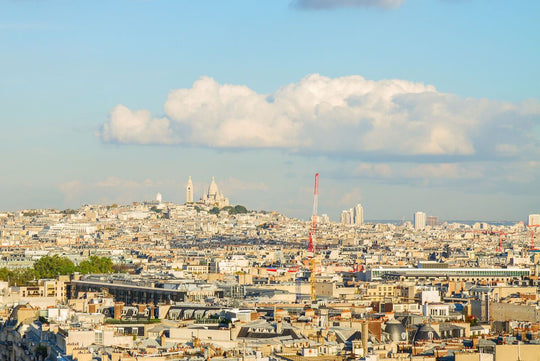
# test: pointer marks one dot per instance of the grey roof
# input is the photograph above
(426, 333)
(396, 331)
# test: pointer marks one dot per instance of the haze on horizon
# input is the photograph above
(401, 105)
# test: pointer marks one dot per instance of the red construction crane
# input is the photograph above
(313, 231)
(312, 240)
(500, 233)
(532, 226)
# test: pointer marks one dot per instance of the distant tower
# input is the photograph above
(358, 215)
(158, 198)
(189, 191)
(419, 220)
(534, 219)
(347, 216)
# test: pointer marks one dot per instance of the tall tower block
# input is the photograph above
(419, 220)
(358, 215)
(189, 191)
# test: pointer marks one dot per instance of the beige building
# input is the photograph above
(380, 291)
(517, 352)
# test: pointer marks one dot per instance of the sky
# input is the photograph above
(400, 105)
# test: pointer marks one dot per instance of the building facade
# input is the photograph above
(419, 220)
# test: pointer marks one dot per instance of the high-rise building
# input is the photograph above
(158, 198)
(419, 220)
(189, 191)
(358, 215)
(347, 216)
(324, 219)
(353, 215)
(534, 220)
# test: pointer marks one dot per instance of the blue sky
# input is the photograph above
(401, 105)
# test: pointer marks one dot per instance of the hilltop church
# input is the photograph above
(212, 198)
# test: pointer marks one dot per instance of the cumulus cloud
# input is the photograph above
(353, 196)
(406, 171)
(347, 116)
(127, 126)
(444, 171)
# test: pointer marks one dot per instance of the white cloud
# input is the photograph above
(230, 116)
(126, 126)
(322, 115)
(444, 171)
(351, 197)
(423, 171)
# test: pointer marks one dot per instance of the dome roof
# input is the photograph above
(396, 331)
(426, 333)
(213, 189)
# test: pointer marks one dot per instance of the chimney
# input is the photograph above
(162, 339)
(279, 327)
(365, 332)
(118, 307)
(92, 308)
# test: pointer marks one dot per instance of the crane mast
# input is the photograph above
(532, 227)
(312, 240)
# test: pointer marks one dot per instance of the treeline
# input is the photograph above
(53, 266)
(239, 209)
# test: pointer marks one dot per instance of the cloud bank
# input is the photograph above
(341, 116)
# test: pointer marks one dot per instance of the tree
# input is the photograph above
(96, 264)
(19, 276)
(214, 210)
(4, 274)
(41, 352)
(240, 209)
(52, 266)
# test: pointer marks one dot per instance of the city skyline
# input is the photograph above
(112, 103)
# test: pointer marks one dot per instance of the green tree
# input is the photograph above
(229, 209)
(52, 266)
(214, 210)
(22, 276)
(41, 352)
(4, 274)
(96, 264)
(18, 276)
(240, 209)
